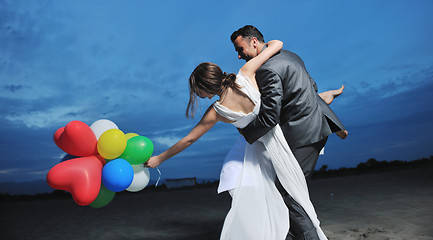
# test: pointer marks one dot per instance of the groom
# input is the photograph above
(288, 98)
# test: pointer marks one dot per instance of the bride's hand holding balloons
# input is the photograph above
(153, 162)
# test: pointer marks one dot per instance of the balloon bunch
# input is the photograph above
(108, 161)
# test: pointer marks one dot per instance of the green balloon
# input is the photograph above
(138, 150)
(104, 197)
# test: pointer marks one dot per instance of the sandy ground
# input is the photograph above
(389, 205)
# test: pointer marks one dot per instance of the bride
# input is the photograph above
(258, 210)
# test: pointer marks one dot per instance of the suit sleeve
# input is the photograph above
(271, 90)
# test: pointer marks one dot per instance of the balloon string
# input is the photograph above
(156, 184)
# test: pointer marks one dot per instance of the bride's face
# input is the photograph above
(203, 94)
(245, 48)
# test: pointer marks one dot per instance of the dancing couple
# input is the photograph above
(274, 103)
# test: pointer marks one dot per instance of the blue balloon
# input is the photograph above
(117, 175)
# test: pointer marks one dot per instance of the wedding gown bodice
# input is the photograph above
(241, 119)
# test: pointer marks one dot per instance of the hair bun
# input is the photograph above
(229, 79)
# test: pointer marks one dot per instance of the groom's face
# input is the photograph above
(245, 48)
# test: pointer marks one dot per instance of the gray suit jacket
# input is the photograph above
(289, 98)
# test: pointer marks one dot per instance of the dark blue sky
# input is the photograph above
(129, 61)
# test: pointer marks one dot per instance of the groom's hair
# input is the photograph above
(247, 31)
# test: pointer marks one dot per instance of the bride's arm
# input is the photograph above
(209, 119)
(249, 69)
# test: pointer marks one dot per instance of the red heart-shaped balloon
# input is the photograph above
(77, 139)
(79, 176)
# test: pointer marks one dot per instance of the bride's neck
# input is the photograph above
(223, 95)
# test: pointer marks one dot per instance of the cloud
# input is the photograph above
(42, 173)
(166, 141)
(365, 84)
(386, 103)
(178, 129)
(13, 88)
(46, 118)
(7, 171)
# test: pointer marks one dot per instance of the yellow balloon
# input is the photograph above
(130, 135)
(111, 144)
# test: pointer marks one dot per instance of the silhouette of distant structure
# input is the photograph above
(181, 182)
(372, 165)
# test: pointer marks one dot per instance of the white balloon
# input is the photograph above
(141, 178)
(102, 125)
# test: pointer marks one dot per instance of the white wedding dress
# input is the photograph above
(258, 211)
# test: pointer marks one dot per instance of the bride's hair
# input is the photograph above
(211, 79)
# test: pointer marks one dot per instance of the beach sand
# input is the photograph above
(388, 205)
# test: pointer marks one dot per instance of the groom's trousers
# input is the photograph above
(301, 226)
